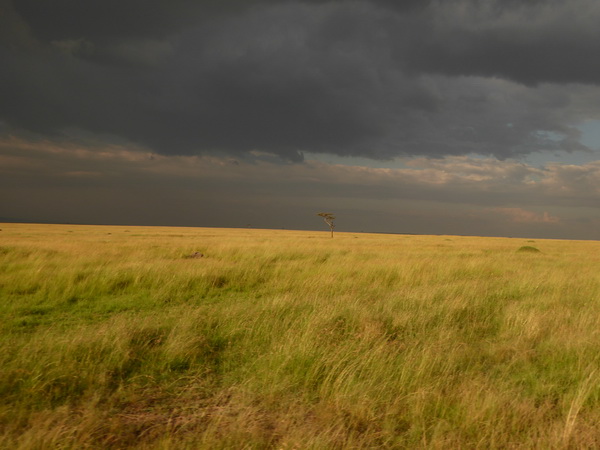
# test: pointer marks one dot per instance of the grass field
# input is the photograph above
(112, 337)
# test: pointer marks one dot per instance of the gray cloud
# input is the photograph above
(61, 181)
(377, 79)
(67, 19)
(529, 42)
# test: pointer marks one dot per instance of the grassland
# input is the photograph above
(113, 338)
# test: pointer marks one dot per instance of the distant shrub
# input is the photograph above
(528, 249)
(195, 255)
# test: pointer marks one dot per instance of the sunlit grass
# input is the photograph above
(113, 337)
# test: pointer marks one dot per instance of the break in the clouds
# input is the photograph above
(54, 181)
(376, 79)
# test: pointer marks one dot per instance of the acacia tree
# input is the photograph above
(328, 218)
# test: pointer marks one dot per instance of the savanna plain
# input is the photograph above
(125, 337)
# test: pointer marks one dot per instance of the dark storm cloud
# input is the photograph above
(527, 41)
(376, 79)
(67, 19)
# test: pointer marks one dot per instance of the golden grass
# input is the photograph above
(114, 338)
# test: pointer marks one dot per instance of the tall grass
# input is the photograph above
(113, 338)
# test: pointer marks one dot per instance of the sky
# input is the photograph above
(458, 117)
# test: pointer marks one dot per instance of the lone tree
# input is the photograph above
(328, 218)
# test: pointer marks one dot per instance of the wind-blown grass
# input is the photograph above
(113, 338)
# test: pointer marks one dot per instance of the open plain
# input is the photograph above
(155, 337)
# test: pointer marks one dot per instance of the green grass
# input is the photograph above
(528, 249)
(113, 337)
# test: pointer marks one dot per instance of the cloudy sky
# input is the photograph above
(477, 117)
